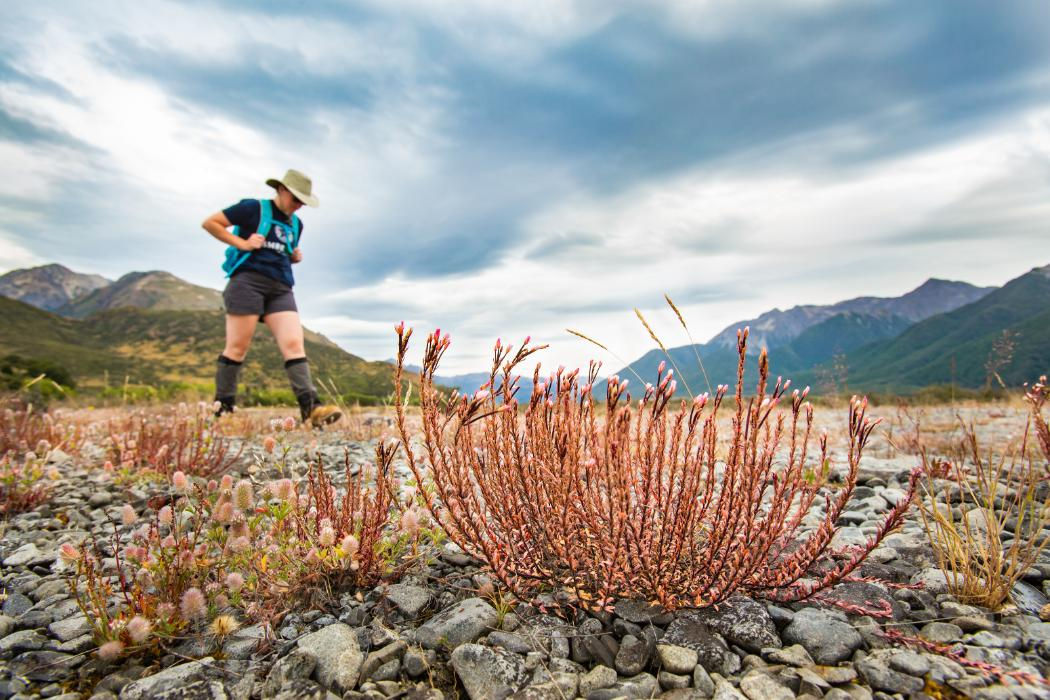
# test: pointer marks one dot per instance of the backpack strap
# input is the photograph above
(265, 217)
(266, 222)
(297, 227)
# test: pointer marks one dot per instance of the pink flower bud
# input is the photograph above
(234, 581)
(410, 522)
(111, 651)
(242, 495)
(289, 423)
(660, 369)
(227, 483)
(180, 482)
(108, 466)
(128, 515)
(138, 629)
(269, 443)
(165, 515)
(69, 553)
(193, 605)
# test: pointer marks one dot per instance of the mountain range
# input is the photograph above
(152, 327)
(939, 333)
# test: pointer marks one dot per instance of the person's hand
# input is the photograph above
(252, 242)
(297, 255)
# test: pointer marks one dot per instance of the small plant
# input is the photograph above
(968, 539)
(207, 552)
(1036, 398)
(24, 481)
(643, 504)
(183, 439)
(22, 428)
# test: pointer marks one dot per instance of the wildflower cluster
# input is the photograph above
(218, 551)
(23, 428)
(276, 445)
(24, 480)
(643, 504)
(160, 443)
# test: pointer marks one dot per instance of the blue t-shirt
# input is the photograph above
(272, 259)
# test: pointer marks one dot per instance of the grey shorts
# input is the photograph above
(251, 293)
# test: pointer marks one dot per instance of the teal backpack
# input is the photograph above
(235, 256)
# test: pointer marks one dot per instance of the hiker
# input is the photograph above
(263, 246)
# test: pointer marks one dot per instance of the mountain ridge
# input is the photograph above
(49, 287)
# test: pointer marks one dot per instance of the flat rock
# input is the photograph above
(827, 639)
(934, 581)
(877, 674)
(793, 655)
(712, 651)
(339, 656)
(757, 685)
(632, 657)
(1028, 598)
(744, 622)
(408, 598)
(168, 680)
(597, 678)
(488, 672)
(385, 655)
(48, 666)
(25, 640)
(676, 659)
(23, 555)
(70, 628)
(641, 612)
(298, 664)
(462, 623)
(941, 632)
(643, 685)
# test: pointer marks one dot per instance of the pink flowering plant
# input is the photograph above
(222, 550)
(25, 480)
(642, 501)
(185, 438)
(22, 429)
(277, 446)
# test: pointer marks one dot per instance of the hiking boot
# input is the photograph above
(222, 407)
(321, 416)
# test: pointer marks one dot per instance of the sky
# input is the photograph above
(500, 169)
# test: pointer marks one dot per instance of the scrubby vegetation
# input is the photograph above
(646, 504)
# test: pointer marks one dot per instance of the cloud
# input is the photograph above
(509, 169)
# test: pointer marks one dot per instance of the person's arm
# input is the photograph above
(217, 225)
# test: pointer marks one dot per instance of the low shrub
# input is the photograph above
(989, 494)
(209, 556)
(23, 427)
(1036, 398)
(645, 503)
(25, 481)
(184, 438)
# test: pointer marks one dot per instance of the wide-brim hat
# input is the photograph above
(299, 185)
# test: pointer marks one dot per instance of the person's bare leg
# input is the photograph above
(288, 332)
(239, 331)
